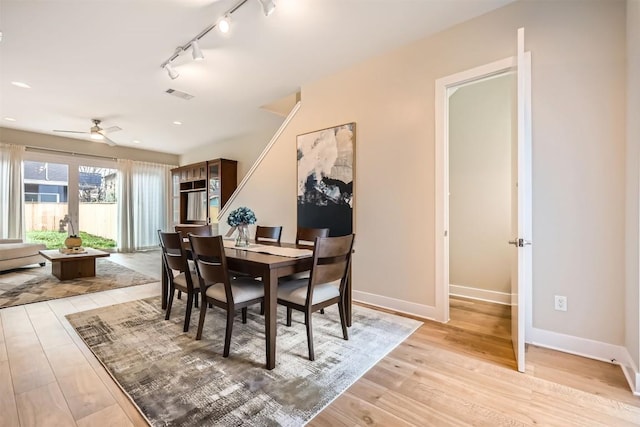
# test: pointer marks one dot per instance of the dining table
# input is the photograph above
(256, 262)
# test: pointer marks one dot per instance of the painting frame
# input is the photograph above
(325, 175)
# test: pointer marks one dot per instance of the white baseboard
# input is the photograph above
(420, 310)
(480, 294)
(591, 349)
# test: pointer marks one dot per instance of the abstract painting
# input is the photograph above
(325, 179)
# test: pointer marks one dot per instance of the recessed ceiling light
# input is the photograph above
(135, 141)
(177, 123)
(21, 84)
(10, 119)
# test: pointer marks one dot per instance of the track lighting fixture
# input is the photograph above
(268, 6)
(172, 73)
(195, 51)
(223, 24)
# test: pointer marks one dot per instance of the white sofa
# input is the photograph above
(15, 253)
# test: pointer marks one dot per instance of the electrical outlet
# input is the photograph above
(560, 303)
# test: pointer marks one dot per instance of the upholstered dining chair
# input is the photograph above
(268, 234)
(331, 263)
(174, 258)
(199, 230)
(218, 288)
(307, 236)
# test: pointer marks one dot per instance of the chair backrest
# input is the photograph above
(268, 234)
(307, 236)
(211, 262)
(199, 230)
(331, 261)
(173, 253)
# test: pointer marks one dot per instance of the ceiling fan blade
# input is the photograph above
(112, 129)
(109, 141)
(68, 131)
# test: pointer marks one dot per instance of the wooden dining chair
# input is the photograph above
(199, 230)
(175, 261)
(331, 263)
(307, 236)
(268, 234)
(218, 288)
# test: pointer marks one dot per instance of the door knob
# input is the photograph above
(521, 243)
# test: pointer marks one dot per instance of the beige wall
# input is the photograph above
(59, 143)
(578, 158)
(244, 149)
(632, 297)
(480, 138)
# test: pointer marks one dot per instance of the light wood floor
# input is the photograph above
(461, 373)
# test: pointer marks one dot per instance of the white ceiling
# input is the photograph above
(101, 59)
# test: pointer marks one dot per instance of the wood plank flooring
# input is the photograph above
(461, 373)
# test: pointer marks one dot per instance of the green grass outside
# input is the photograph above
(55, 240)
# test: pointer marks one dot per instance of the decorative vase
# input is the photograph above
(73, 242)
(242, 239)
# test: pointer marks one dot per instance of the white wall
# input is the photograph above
(480, 138)
(578, 54)
(60, 143)
(632, 297)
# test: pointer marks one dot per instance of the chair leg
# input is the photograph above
(244, 314)
(343, 319)
(307, 321)
(172, 293)
(179, 294)
(196, 300)
(227, 335)
(262, 308)
(187, 314)
(322, 311)
(289, 310)
(203, 313)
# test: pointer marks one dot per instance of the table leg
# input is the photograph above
(270, 280)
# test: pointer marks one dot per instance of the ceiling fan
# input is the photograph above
(96, 132)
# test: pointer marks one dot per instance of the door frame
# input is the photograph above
(442, 87)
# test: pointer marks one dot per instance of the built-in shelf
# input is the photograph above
(201, 189)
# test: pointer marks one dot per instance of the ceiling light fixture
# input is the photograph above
(223, 24)
(177, 123)
(171, 71)
(21, 84)
(268, 6)
(195, 51)
(10, 119)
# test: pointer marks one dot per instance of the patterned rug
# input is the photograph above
(178, 381)
(28, 285)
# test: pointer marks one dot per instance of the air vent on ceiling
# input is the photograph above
(179, 94)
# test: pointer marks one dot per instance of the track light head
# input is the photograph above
(171, 71)
(224, 24)
(268, 6)
(195, 51)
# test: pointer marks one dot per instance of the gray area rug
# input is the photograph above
(178, 381)
(29, 285)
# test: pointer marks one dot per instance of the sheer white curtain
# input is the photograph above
(144, 197)
(11, 191)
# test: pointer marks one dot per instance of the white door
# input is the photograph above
(522, 260)
(521, 271)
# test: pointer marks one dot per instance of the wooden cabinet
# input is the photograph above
(200, 190)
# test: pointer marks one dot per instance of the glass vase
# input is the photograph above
(242, 239)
